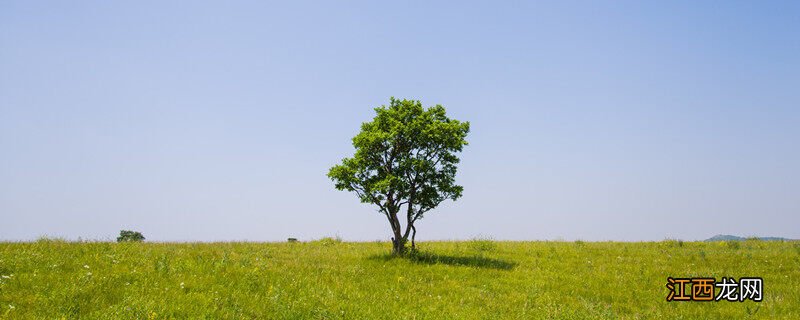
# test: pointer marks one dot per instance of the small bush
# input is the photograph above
(130, 236)
(733, 244)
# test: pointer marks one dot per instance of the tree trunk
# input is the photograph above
(413, 235)
(398, 241)
(398, 246)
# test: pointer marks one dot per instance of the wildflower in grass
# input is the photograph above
(86, 266)
(181, 285)
(88, 273)
(11, 307)
(7, 277)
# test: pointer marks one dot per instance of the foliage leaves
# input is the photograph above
(405, 156)
(130, 236)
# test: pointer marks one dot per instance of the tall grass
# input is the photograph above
(327, 279)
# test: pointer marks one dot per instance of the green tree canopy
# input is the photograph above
(130, 236)
(405, 162)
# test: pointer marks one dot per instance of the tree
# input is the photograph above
(130, 236)
(404, 157)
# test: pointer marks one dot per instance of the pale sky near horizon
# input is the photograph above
(591, 120)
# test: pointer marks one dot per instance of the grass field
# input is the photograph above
(329, 279)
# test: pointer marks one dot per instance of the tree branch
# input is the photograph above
(360, 192)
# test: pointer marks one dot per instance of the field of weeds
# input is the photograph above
(330, 279)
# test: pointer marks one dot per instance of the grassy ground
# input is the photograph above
(327, 279)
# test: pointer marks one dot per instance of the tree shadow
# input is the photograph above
(430, 258)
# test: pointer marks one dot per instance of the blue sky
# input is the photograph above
(592, 120)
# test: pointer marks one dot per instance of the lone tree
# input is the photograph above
(404, 157)
(130, 236)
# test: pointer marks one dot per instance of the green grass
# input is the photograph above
(330, 279)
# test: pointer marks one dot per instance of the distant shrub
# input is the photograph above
(579, 243)
(733, 244)
(291, 240)
(130, 236)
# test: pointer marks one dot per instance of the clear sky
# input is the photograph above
(592, 120)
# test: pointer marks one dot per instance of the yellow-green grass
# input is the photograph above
(330, 280)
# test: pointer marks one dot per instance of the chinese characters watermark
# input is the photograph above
(703, 289)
